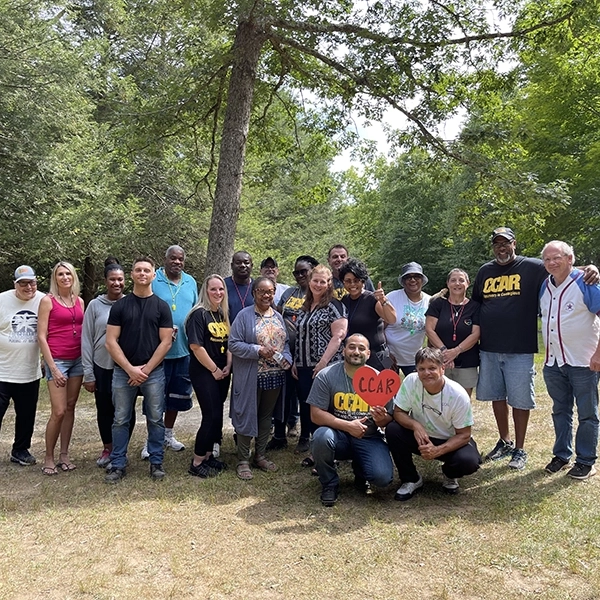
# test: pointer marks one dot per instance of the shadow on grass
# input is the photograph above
(285, 501)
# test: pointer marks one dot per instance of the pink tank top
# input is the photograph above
(64, 330)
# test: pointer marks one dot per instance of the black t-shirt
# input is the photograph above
(290, 307)
(363, 319)
(339, 291)
(464, 316)
(207, 329)
(140, 320)
(509, 298)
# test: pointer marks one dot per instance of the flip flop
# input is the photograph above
(49, 471)
(66, 466)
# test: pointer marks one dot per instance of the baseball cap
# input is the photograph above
(505, 232)
(24, 272)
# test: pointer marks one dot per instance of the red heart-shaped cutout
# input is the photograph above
(376, 388)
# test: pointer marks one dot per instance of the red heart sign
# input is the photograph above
(376, 389)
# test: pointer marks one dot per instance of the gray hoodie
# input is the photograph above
(93, 337)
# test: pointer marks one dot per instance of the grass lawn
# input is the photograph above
(506, 535)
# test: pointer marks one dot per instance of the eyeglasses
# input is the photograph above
(25, 284)
(352, 281)
(431, 408)
(260, 292)
(504, 244)
(299, 272)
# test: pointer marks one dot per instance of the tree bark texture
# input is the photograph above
(249, 40)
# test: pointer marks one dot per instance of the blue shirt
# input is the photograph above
(182, 296)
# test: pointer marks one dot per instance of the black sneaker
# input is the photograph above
(157, 471)
(277, 444)
(114, 475)
(556, 465)
(216, 465)
(329, 495)
(23, 457)
(362, 485)
(202, 470)
(579, 471)
(502, 449)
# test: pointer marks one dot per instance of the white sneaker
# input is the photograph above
(216, 450)
(171, 442)
(450, 486)
(145, 454)
(407, 490)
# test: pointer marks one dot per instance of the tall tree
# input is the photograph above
(421, 59)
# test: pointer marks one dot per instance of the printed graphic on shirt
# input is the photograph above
(505, 285)
(349, 406)
(294, 303)
(412, 318)
(24, 328)
(219, 331)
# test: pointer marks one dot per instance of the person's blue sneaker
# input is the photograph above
(518, 460)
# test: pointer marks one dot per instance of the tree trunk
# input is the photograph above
(249, 40)
(89, 280)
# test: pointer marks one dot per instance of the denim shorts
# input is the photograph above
(69, 368)
(507, 377)
(178, 385)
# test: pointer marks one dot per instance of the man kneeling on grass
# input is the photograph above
(347, 428)
(432, 418)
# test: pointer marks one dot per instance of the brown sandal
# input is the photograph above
(264, 464)
(244, 471)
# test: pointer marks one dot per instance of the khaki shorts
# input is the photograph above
(466, 377)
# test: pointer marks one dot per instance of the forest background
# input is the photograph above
(129, 126)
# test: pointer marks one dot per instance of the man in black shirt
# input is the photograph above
(508, 290)
(138, 336)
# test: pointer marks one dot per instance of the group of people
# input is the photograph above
(282, 352)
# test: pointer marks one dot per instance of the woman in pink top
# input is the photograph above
(59, 335)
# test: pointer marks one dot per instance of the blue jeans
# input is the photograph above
(568, 386)
(124, 397)
(370, 456)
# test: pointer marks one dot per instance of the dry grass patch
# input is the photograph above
(507, 535)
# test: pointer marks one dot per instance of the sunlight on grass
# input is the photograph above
(506, 535)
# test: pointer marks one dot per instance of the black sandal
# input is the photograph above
(309, 461)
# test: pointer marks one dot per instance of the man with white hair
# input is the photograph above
(20, 369)
(571, 331)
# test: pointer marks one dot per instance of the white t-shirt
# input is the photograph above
(440, 414)
(19, 351)
(407, 334)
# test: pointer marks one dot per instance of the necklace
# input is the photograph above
(455, 315)
(242, 300)
(221, 337)
(71, 309)
(174, 295)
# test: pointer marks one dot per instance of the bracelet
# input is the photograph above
(459, 349)
(216, 369)
(443, 348)
(385, 301)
